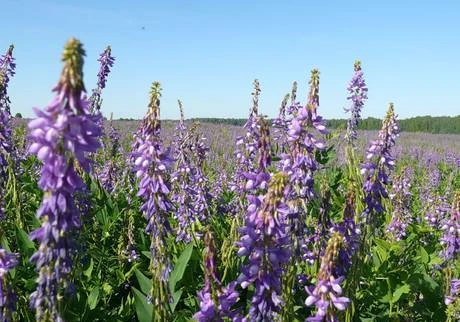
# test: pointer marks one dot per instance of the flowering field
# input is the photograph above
(281, 220)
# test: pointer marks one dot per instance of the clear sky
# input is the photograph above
(207, 53)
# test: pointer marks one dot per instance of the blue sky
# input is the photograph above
(207, 53)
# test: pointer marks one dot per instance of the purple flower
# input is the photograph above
(111, 170)
(190, 193)
(246, 151)
(357, 90)
(106, 62)
(215, 301)
(151, 165)
(454, 293)
(450, 239)
(7, 67)
(379, 162)
(7, 298)
(265, 242)
(299, 163)
(350, 232)
(401, 201)
(62, 135)
(326, 294)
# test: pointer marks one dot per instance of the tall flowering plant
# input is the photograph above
(7, 70)
(7, 260)
(265, 243)
(152, 163)
(216, 301)
(379, 162)
(62, 135)
(357, 90)
(106, 61)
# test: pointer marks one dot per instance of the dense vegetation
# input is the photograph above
(278, 220)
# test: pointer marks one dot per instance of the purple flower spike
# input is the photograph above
(379, 163)
(357, 90)
(401, 199)
(62, 135)
(451, 232)
(215, 301)
(265, 242)
(7, 70)
(152, 163)
(106, 62)
(326, 294)
(7, 298)
(454, 294)
(190, 193)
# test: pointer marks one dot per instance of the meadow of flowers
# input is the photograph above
(281, 220)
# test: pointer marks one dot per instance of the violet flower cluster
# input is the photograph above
(190, 193)
(7, 70)
(379, 163)
(357, 90)
(152, 163)
(62, 135)
(280, 125)
(401, 200)
(450, 239)
(265, 242)
(350, 232)
(300, 163)
(110, 172)
(326, 295)
(246, 149)
(454, 292)
(106, 62)
(7, 298)
(216, 302)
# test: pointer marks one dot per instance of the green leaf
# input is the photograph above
(424, 255)
(25, 244)
(144, 310)
(93, 298)
(147, 254)
(176, 298)
(144, 282)
(405, 288)
(180, 266)
(89, 270)
(383, 244)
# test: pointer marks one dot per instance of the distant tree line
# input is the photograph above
(429, 124)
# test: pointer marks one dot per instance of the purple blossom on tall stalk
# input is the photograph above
(450, 239)
(7, 70)
(350, 232)
(454, 292)
(7, 298)
(300, 163)
(246, 149)
(62, 135)
(379, 162)
(401, 201)
(151, 165)
(280, 125)
(106, 62)
(326, 294)
(111, 171)
(357, 90)
(265, 242)
(215, 301)
(190, 193)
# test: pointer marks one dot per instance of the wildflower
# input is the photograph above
(62, 135)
